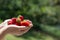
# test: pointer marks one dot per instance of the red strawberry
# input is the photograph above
(9, 22)
(18, 24)
(21, 17)
(25, 23)
(13, 20)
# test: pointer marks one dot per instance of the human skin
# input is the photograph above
(12, 29)
(2, 36)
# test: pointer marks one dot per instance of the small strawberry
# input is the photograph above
(18, 24)
(13, 20)
(25, 23)
(9, 22)
(21, 17)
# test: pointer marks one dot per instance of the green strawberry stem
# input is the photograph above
(18, 16)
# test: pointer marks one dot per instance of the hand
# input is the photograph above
(14, 29)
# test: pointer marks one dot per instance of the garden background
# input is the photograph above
(45, 15)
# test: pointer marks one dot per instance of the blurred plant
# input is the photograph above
(44, 12)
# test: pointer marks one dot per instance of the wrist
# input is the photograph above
(2, 35)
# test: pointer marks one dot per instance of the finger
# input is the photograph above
(22, 31)
(25, 30)
(29, 21)
(31, 25)
(5, 22)
(16, 26)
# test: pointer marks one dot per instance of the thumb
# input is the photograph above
(3, 29)
(4, 23)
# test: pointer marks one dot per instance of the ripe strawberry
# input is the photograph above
(13, 20)
(18, 23)
(21, 17)
(9, 22)
(25, 23)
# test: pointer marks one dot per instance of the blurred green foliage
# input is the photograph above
(46, 12)
(31, 36)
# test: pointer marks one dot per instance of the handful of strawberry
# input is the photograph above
(19, 21)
